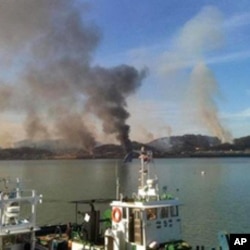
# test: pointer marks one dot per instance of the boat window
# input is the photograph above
(151, 213)
(137, 214)
(124, 213)
(174, 211)
(164, 212)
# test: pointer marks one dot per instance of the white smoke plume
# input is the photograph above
(200, 36)
(203, 89)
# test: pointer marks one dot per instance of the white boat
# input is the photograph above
(149, 219)
(16, 231)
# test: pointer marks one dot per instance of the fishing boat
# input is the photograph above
(148, 219)
(17, 217)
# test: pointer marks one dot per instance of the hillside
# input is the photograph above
(174, 146)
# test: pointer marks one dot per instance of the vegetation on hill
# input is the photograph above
(175, 146)
(25, 153)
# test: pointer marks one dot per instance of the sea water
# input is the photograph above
(214, 191)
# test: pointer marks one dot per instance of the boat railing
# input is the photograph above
(12, 203)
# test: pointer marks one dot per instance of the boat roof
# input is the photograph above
(147, 204)
(88, 201)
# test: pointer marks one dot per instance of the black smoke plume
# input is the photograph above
(49, 45)
(107, 92)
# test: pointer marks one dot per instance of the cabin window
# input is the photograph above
(164, 212)
(124, 213)
(174, 211)
(137, 214)
(151, 213)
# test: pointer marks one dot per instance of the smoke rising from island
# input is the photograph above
(201, 35)
(48, 48)
(204, 88)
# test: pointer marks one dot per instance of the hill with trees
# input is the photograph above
(174, 146)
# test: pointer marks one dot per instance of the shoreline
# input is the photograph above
(73, 156)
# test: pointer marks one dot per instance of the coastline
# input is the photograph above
(39, 154)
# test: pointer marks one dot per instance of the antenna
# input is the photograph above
(117, 181)
(144, 160)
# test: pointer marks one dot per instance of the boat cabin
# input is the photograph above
(148, 220)
(143, 225)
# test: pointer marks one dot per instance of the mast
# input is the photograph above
(142, 171)
(148, 186)
(117, 182)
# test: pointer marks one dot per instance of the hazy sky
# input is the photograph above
(171, 38)
(96, 67)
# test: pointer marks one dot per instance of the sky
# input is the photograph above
(111, 70)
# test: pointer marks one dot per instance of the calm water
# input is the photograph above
(218, 200)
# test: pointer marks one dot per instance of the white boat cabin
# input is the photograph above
(147, 221)
(139, 225)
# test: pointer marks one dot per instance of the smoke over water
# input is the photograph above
(49, 46)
